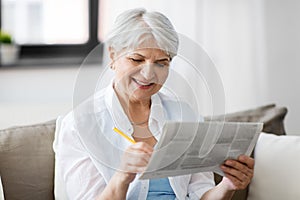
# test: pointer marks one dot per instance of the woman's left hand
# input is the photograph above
(238, 173)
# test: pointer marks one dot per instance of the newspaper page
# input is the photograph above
(190, 147)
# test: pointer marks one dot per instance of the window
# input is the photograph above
(51, 28)
(45, 21)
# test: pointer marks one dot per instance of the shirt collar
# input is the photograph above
(157, 116)
(120, 119)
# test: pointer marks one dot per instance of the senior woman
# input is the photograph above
(97, 163)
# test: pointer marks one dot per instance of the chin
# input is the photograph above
(142, 95)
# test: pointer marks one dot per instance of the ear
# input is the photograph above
(111, 53)
(112, 56)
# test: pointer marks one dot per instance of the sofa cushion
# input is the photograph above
(27, 161)
(276, 171)
(271, 115)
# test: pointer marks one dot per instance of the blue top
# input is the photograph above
(160, 189)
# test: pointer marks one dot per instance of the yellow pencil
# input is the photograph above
(124, 135)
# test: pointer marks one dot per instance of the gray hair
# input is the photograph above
(137, 26)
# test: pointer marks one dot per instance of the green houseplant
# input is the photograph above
(5, 38)
(9, 51)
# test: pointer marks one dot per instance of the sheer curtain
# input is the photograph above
(232, 34)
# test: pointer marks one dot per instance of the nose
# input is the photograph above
(147, 71)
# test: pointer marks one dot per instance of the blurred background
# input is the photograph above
(254, 45)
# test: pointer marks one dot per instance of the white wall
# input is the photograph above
(255, 46)
(36, 94)
(283, 59)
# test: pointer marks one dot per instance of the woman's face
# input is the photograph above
(140, 73)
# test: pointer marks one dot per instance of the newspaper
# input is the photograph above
(190, 147)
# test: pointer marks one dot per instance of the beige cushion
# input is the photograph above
(276, 172)
(27, 161)
(271, 115)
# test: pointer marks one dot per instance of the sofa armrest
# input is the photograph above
(276, 170)
(27, 161)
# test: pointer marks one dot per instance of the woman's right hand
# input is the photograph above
(134, 160)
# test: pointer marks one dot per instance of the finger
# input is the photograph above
(136, 150)
(133, 169)
(235, 173)
(137, 160)
(247, 160)
(243, 168)
(237, 184)
(142, 146)
(136, 157)
(134, 165)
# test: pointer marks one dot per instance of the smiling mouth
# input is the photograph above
(142, 84)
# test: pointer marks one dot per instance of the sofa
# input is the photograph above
(27, 160)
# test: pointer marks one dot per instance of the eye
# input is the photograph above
(162, 64)
(136, 60)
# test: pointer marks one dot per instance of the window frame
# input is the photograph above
(40, 53)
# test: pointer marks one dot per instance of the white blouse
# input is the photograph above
(89, 151)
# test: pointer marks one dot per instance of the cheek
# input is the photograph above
(162, 76)
(123, 70)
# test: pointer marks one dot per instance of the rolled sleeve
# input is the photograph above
(81, 178)
(199, 184)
